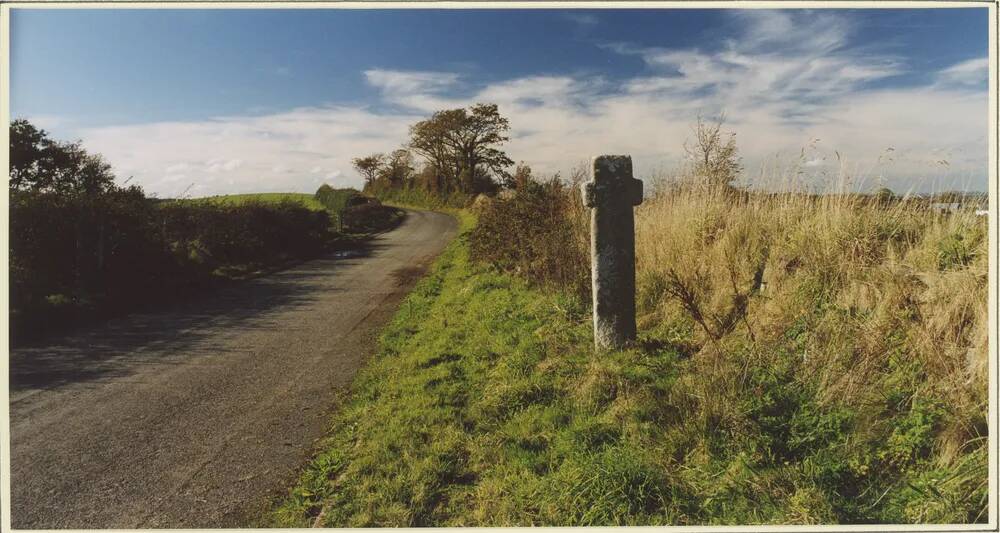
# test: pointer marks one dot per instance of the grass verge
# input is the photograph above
(486, 406)
(463, 418)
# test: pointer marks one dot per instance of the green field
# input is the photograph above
(307, 200)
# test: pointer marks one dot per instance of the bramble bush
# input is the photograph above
(537, 233)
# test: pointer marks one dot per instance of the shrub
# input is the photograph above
(114, 250)
(80, 245)
(334, 200)
(370, 217)
(538, 233)
(81, 249)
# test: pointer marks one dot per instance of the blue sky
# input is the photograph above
(246, 100)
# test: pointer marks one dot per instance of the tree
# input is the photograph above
(41, 164)
(398, 169)
(28, 147)
(48, 175)
(716, 162)
(463, 145)
(369, 167)
(429, 138)
(520, 178)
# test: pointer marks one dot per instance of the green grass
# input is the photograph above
(306, 200)
(485, 405)
(464, 418)
(335, 199)
(422, 199)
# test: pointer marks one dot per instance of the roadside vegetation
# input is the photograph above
(83, 247)
(353, 214)
(309, 201)
(357, 213)
(803, 358)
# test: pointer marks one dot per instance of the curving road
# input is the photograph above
(195, 417)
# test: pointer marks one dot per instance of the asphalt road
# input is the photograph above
(197, 416)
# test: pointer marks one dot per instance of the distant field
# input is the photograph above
(307, 200)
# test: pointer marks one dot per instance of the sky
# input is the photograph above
(217, 101)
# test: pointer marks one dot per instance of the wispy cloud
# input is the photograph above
(784, 83)
(415, 90)
(583, 20)
(971, 73)
(791, 66)
(792, 33)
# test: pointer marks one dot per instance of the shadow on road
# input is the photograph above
(187, 328)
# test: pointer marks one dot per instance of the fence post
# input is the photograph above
(611, 195)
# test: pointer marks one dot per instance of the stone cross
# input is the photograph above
(611, 194)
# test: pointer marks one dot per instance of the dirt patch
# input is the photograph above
(407, 276)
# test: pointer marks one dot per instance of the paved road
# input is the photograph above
(196, 416)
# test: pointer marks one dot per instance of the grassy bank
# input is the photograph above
(801, 360)
(486, 406)
(467, 415)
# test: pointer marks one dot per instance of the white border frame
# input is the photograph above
(994, 250)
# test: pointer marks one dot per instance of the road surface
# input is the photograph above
(195, 417)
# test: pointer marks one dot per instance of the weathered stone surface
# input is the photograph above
(611, 195)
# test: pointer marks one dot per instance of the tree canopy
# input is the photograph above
(460, 148)
(38, 163)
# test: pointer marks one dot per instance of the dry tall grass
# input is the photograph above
(877, 308)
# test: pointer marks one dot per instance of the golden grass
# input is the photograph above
(862, 288)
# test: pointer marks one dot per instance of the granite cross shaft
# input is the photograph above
(611, 195)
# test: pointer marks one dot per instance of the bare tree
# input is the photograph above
(716, 162)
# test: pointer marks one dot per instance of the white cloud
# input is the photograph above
(292, 151)
(414, 90)
(788, 82)
(973, 72)
(808, 33)
(785, 62)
